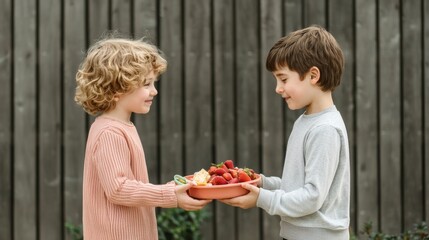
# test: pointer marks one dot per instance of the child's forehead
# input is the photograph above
(151, 75)
(282, 70)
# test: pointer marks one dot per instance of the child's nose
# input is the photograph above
(279, 90)
(154, 91)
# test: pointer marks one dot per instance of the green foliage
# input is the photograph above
(419, 232)
(173, 224)
(178, 224)
(74, 231)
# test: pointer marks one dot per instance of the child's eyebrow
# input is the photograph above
(280, 75)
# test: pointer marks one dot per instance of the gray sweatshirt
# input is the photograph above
(313, 196)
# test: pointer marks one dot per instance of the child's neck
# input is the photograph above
(321, 103)
(118, 116)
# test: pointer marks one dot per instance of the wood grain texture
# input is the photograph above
(366, 113)
(314, 12)
(98, 20)
(426, 103)
(390, 116)
(49, 118)
(198, 85)
(412, 113)
(25, 122)
(121, 14)
(74, 120)
(171, 92)
(6, 117)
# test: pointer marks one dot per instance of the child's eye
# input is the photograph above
(284, 80)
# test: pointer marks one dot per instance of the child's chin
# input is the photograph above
(144, 111)
(292, 107)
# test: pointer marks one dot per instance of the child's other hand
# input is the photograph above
(245, 201)
(187, 203)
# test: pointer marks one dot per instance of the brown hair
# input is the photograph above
(302, 49)
(114, 66)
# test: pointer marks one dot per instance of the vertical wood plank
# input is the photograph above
(340, 24)
(366, 113)
(145, 25)
(146, 20)
(25, 122)
(98, 20)
(412, 112)
(292, 21)
(74, 135)
(390, 116)
(426, 103)
(248, 111)
(315, 12)
(198, 92)
(6, 163)
(223, 34)
(171, 91)
(121, 16)
(50, 196)
(272, 108)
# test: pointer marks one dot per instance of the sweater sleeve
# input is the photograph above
(271, 183)
(322, 150)
(112, 161)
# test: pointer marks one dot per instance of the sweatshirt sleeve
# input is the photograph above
(112, 161)
(322, 150)
(271, 183)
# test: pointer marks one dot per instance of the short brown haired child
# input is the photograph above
(313, 196)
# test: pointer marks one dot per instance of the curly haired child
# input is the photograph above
(115, 80)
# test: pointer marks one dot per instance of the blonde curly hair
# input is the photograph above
(112, 67)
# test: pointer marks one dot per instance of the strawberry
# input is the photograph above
(212, 169)
(243, 177)
(220, 171)
(234, 180)
(229, 164)
(249, 172)
(227, 176)
(220, 165)
(233, 172)
(219, 180)
(224, 167)
(211, 178)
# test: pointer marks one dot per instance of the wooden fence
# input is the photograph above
(215, 102)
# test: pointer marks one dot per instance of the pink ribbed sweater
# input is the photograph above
(118, 200)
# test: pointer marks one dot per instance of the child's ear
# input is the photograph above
(116, 97)
(314, 74)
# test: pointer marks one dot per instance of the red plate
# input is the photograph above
(219, 191)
